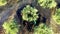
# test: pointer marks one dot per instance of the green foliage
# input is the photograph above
(47, 3)
(3, 2)
(29, 13)
(11, 27)
(56, 17)
(42, 29)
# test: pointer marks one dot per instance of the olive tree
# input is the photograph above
(47, 3)
(29, 13)
(3, 2)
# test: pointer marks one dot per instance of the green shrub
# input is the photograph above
(11, 27)
(29, 13)
(3, 2)
(56, 17)
(47, 3)
(42, 29)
